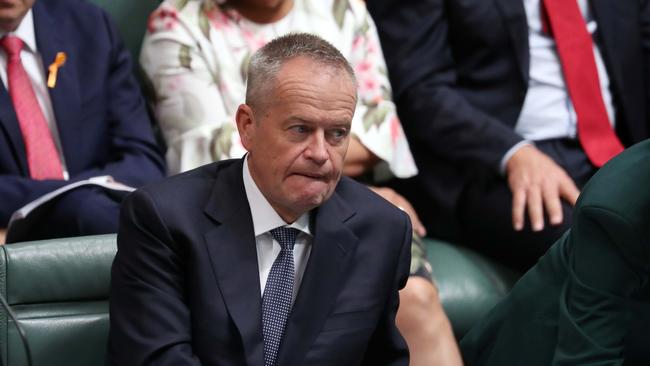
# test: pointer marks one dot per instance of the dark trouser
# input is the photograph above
(486, 211)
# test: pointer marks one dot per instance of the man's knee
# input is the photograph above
(419, 290)
(419, 297)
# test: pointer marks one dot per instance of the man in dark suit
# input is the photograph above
(196, 251)
(587, 302)
(494, 113)
(70, 109)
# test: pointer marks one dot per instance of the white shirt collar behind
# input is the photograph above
(265, 218)
(25, 32)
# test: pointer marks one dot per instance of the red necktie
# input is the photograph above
(575, 47)
(42, 157)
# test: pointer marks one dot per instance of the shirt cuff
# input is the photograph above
(511, 152)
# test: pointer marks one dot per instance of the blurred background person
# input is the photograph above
(70, 109)
(510, 106)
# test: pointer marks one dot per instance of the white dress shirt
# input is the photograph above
(33, 65)
(548, 112)
(265, 218)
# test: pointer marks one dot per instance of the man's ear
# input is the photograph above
(245, 119)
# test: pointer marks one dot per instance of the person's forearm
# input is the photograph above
(3, 235)
(16, 191)
(358, 159)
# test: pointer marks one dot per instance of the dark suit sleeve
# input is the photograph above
(149, 319)
(134, 158)
(607, 267)
(645, 39)
(416, 42)
(16, 191)
(387, 347)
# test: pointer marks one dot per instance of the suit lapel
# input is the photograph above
(9, 122)
(514, 17)
(330, 256)
(234, 259)
(65, 97)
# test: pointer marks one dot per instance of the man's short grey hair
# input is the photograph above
(265, 64)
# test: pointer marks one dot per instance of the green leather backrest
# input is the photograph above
(131, 18)
(469, 284)
(58, 290)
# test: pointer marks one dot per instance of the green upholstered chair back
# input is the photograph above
(131, 18)
(58, 290)
(469, 284)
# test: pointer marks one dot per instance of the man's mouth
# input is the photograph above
(316, 176)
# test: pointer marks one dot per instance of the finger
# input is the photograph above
(535, 209)
(518, 207)
(420, 230)
(569, 191)
(553, 205)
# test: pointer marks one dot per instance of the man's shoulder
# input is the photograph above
(81, 24)
(193, 181)
(620, 186)
(365, 202)
(70, 8)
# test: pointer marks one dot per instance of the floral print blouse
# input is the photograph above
(195, 55)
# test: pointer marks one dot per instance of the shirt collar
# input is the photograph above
(265, 218)
(25, 32)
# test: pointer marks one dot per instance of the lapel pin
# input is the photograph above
(59, 61)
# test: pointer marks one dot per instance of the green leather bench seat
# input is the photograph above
(58, 290)
(468, 283)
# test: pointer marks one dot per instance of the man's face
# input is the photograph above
(12, 13)
(298, 140)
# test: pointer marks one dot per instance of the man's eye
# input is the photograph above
(299, 129)
(338, 133)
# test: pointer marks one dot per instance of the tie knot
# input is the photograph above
(286, 236)
(12, 45)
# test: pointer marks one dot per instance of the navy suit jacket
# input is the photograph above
(459, 71)
(100, 113)
(185, 287)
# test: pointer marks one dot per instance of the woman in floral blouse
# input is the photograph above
(195, 55)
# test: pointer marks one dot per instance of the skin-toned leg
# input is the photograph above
(424, 325)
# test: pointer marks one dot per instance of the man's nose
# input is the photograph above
(317, 149)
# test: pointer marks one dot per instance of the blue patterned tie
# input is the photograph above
(278, 293)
